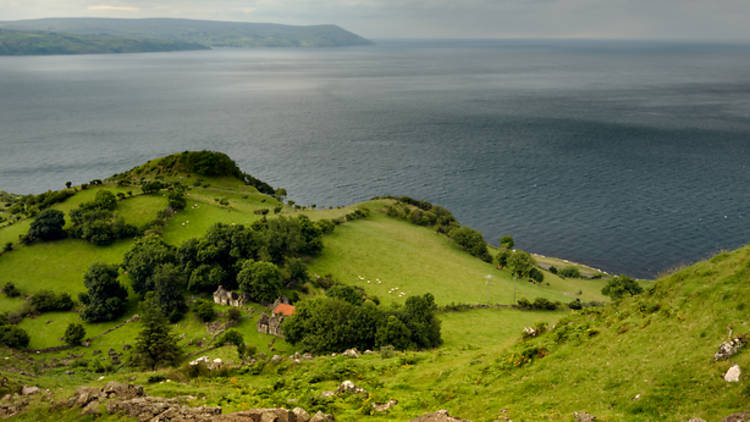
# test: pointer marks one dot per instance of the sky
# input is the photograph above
(726, 20)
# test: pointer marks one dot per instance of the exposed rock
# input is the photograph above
(29, 390)
(583, 417)
(134, 318)
(530, 332)
(300, 414)
(276, 358)
(349, 387)
(161, 409)
(307, 356)
(201, 360)
(439, 416)
(321, 417)
(730, 348)
(127, 347)
(122, 391)
(738, 417)
(84, 395)
(384, 407)
(368, 352)
(328, 394)
(351, 353)
(733, 374)
(216, 364)
(695, 420)
(91, 409)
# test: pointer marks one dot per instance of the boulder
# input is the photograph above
(216, 364)
(733, 374)
(276, 358)
(85, 395)
(730, 348)
(321, 417)
(695, 420)
(384, 407)
(91, 409)
(29, 390)
(349, 387)
(738, 417)
(122, 391)
(530, 332)
(203, 360)
(583, 417)
(351, 353)
(439, 416)
(328, 394)
(300, 415)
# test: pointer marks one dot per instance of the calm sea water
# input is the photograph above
(632, 157)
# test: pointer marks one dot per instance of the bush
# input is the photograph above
(74, 334)
(620, 286)
(105, 299)
(234, 316)
(471, 241)
(48, 301)
(347, 293)
(536, 275)
(11, 290)
(48, 225)
(569, 272)
(539, 304)
(204, 310)
(13, 337)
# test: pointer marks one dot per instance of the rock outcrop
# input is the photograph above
(733, 374)
(738, 417)
(583, 417)
(730, 348)
(439, 416)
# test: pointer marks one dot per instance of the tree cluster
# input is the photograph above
(49, 301)
(330, 324)
(423, 213)
(97, 223)
(539, 304)
(105, 298)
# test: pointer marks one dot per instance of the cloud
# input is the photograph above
(109, 8)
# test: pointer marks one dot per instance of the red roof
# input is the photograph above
(284, 309)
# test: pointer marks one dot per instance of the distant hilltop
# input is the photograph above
(106, 35)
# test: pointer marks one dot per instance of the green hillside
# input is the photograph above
(104, 35)
(17, 43)
(642, 358)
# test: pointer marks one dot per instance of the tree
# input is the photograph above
(49, 301)
(105, 300)
(235, 338)
(74, 334)
(155, 345)
(521, 263)
(68, 184)
(260, 280)
(471, 241)
(169, 284)
(48, 225)
(419, 316)
(620, 286)
(502, 257)
(13, 337)
(570, 272)
(507, 242)
(393, 333)
(143, 258)
(346, 293)
(204, 309)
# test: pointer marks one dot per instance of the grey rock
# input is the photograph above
(349, 387)
(738, 417)
(300, 415)
(730, 348)
(91, 409)
(733, 374)
(439, 416)
(583, 417)
(29, 390)
(384, 407)
(276, 358)
(321, 417)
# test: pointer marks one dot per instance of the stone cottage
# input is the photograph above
(225, 297)
(272, 324)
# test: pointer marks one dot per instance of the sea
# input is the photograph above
(632, 157)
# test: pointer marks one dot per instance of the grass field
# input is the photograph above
(417, 260)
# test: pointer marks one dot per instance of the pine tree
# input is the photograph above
(156, 345)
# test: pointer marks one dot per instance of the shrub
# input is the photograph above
(471, 241)
(521, 263)
(105, 299)
(620, 286)
(48, 301)
(48, 225)
(234, 316)
(11, 290)
(205, 310)
(569, 272)
(74, 334)
(539, 304)
(507, 242)
(536, 275)
(13, 337)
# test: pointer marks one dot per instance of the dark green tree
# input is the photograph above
(260, 280)
(169, 285)
(419, 316)
(155, 345)
(143, 258)
(471, 241)
(621, 286)
(521, 263)
(346, 293)
(105, 299)
(13, 337)
(48, 225)
(74, 334)
(393, 333)
(507, 242)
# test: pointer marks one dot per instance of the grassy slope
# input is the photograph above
(418, 260)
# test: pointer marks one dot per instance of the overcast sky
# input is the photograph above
(656, 19)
